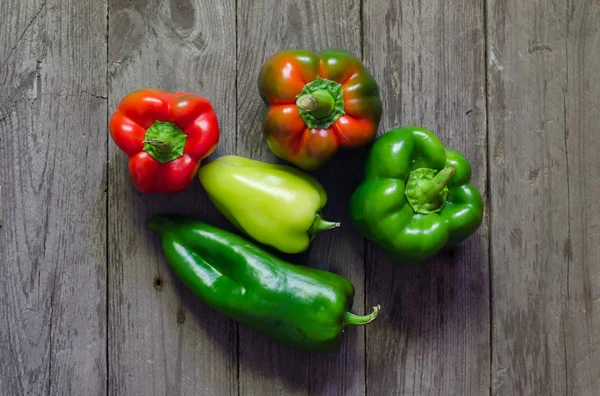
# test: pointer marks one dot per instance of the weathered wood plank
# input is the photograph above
(433, 335)
(529, 183)
(583, 145)
(267, 367)
(165, 340)
(53, 167)
(541, 84)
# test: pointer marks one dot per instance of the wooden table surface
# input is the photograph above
(514, 310)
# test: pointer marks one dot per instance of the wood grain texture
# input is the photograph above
(53, 167)
(164, 340)
(60, 216)
(267, 367)
(433, 334)
(582, 120)
(529, 180)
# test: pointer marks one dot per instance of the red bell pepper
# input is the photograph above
(165, 135)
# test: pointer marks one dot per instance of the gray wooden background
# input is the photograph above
(513, 84)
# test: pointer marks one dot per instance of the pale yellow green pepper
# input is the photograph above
(277, 205)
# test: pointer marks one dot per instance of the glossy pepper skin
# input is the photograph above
(304, 307)
(165, 135)
(416, 196)
(316, 103)
(277, 205)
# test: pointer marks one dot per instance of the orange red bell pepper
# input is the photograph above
(317, 103)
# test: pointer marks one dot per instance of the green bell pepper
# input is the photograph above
(276, 205)
(304, 307)
(416, 197)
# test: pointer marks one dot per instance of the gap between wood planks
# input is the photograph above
(107, 356)
(488, 210)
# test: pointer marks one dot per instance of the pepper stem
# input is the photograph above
(438, 183)
(164, 141)
(319, 103)
(319, 224)
(356, 320)
(161, 146)
(426, 189)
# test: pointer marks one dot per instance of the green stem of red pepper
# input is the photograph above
(162, 146)
(319, 103)
(164, 141)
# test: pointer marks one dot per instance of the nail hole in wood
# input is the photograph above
(158, 283)
(180, 317)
